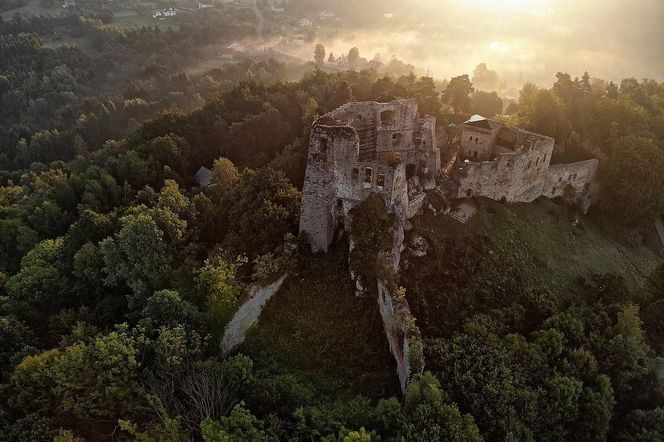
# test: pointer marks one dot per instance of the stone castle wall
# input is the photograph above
(579, 176)
(337, 180)
(527, 175)
(505, 163)
(514, 176)
(398, 128)
(476, 143)
(318, 215)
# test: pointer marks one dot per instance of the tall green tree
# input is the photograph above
(457, 94)
(632, 174)
(42, 281)
(136, 256)
(319, 54)
(262, 207)
(487, 104)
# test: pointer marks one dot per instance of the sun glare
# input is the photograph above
(512, 5)
(499, 47)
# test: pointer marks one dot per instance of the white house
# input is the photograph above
(232, 50)
(305, 23)
(161, 15)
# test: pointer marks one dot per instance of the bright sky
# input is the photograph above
(524, 40)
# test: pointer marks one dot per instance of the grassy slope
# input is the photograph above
(526, 253)
(550, 249)
(317, 324)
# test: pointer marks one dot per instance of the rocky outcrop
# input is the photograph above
(403, 336)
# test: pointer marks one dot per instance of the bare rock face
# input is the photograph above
(417, 245)
(436, 202)
(360, 290)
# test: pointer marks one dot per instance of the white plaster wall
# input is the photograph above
(247, 315)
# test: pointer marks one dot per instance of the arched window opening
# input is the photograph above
(387, 118)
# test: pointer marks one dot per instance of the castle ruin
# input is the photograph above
(390, 150)
(364, 148)
(369, 148)
(504, 163)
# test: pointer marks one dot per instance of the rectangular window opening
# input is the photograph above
(380, 181)
(368, 177)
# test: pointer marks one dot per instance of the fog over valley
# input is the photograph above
(523, 40)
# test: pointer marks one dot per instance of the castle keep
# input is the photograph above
(364, 148)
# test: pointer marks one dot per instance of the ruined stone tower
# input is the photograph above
(364, 148)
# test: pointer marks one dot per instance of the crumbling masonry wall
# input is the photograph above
(578, 176)
(336, 181)
(478, 140)
(505, 163)
(360, 149)
(514, 177)
(526, 175)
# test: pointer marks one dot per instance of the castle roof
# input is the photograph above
(483, 122)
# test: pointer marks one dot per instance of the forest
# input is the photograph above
(119, 271)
